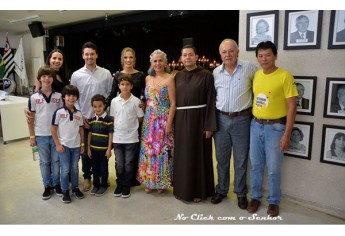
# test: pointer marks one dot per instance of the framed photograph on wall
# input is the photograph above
(336, 39)
(302, 29)
(333, 145)
(262, 26)
(306, 87)
(301, 140)
(335, 98)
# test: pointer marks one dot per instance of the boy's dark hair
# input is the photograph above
(190, 46)
(70, 90)
(266, 45)
(89, 45)
(45, 70)
(125, 77)
(98, 97)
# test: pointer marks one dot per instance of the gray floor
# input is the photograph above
(21, 203)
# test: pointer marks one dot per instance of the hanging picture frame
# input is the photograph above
(301, 140)
(336, 39)
(262, 26)
(302, 29)
(334, 106)
(306, 87)
(332, 148)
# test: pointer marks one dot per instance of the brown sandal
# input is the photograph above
(148, 190)
(196, 200)
(161, 190)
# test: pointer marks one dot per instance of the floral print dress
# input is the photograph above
(156, 148)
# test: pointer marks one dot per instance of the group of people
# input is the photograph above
(161, 126)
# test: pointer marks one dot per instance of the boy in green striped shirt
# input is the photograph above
(100, 144)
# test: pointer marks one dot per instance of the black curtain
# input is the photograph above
(207, 28)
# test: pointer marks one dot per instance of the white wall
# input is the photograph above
(318, 185)
(33, 49)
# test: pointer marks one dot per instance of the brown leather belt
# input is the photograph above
(269, 122)
(245, 112)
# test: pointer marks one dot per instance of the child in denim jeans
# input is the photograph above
(42, 105)
(127, 115)
(68, 134)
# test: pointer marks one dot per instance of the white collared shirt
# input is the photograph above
(90, 83)
(234, 92)
(68, 126)
(44, 108)
(126, 124)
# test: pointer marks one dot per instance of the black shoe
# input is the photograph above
(66, 198)
(126, 192)
(58, 190)
(76, 192)
(46, 194)
(100, 191)
(118, 191)
(217, 198)
(242, 202)
(94, 190)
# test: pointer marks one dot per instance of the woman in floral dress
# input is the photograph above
(156, 148)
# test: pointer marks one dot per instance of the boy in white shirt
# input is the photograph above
(127, 115)
(68, 134)
(42, 105)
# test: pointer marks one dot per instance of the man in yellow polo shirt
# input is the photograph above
(274, 112)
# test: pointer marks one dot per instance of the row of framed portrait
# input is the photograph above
(302, 29)
(334, 106)
(332, 148)
(333, 137)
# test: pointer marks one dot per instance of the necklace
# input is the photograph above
(156, 84)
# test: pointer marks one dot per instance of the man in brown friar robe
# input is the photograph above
(195, 122)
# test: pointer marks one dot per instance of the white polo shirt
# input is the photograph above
(90, 83)
(68, 126)
(126, 122)
(44, 108)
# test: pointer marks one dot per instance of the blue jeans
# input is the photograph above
(265, 150)
(86, 162)
(69, 164)
(232, 134)
(125, 154)
(49, 161)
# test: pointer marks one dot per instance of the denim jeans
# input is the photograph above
(99, 168)
(69, 164)
(86, 162)
(49, 161)
(232, 135)
(125, 154)
(265, 150)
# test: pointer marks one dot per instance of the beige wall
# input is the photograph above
(315, 184)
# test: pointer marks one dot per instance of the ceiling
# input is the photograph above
(52, 18)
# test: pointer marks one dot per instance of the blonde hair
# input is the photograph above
(127, 49)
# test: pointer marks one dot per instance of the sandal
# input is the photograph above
(161, 190)
(148, 190)
(196, 200)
